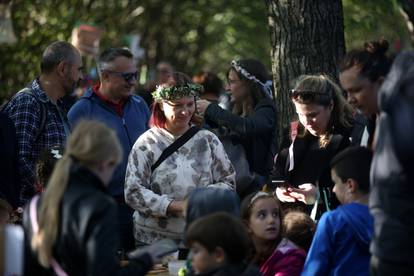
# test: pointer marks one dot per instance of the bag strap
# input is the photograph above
(35, 228)
(175, 146)
(43, 111)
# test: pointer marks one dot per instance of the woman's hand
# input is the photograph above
(202, 106)
(176, 208)
(283, 195)
(306, 193)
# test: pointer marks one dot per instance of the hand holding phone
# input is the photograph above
(283, 194)
(156, 250)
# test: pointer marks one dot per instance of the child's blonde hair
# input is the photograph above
(90, 143)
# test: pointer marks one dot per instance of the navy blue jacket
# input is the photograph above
(128, 128)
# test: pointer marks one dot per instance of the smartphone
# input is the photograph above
(158, 249)
(278, 183)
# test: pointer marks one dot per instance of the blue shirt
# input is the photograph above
(128, 127)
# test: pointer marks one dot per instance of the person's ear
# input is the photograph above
(352, 185)
(219, 255)
(62, 68)
(104, 76)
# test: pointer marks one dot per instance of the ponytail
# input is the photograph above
(43, 241)
(90, 143)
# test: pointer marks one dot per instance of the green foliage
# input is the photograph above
(367, 20)
(192, 35)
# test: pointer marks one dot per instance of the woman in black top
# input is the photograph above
(325, 128)
(252, 121)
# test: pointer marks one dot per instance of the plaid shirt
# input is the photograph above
(25, 112)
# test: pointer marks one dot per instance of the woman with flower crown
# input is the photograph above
(155, 187)
(252, 121)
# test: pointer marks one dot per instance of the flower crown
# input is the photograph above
(176, 92)
(266, 86)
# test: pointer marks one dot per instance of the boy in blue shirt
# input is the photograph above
(341, 242)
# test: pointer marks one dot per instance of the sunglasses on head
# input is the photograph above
(307, 95)
(128, 77)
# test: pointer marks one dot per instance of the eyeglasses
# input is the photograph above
(309, 95)
(127, 76)
(231, 82)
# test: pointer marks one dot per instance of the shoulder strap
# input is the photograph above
(294, 126)
(175, 146)
(43, 111)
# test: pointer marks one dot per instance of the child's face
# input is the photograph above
(202, 260)
(264, 222)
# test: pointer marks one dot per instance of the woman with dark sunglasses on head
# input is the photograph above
(324, 128)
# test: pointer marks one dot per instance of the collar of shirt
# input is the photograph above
(41, 94)
(117, 107)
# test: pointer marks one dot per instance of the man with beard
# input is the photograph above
(112, 102)
(38, 113)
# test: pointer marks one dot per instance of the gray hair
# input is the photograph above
(55, 53)
(109, 55)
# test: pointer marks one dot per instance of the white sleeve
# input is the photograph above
(224, 175)
(138, 193)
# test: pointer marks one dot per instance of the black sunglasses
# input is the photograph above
(127, 76)
(308, 95)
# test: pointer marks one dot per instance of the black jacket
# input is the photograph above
(311, 164)
(88, 235)
(392, 170)
(257, 132)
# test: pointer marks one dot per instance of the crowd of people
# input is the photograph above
(121, 179)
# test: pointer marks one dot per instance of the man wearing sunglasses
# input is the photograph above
(111, 101)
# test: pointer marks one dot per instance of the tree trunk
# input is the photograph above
(307, 37)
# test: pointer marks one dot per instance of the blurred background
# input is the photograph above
(192, 35)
